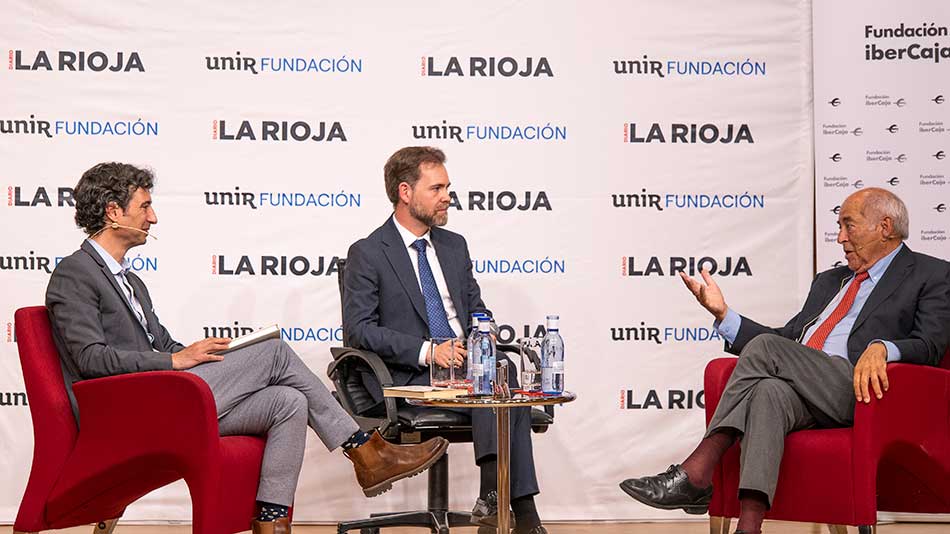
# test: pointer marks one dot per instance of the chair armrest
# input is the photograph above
(344, 356)
(508, 348)
(162, 412)
(717, 374)
(915, 409)
(341, 354)
(910, 425)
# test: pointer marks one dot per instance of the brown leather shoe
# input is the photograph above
(277, 526)
(379, 463)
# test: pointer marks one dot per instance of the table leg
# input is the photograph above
(504, 460)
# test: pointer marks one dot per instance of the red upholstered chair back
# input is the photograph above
(54, 426)
(945, 362)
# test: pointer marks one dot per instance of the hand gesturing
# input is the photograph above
(708, 294)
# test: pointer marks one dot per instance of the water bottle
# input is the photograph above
(483, 359)
(552, 359)
(470, 343)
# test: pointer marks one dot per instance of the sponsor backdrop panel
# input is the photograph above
(594, 152)
(881, 115)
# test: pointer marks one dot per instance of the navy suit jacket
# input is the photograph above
(383, 307)
(909, 306)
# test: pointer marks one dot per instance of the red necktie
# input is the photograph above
(817, 340)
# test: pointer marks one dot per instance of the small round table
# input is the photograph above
(502, 406)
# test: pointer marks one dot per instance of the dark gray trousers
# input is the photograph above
(266, 389)
(779, 386)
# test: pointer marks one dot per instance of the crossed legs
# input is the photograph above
(778, 386)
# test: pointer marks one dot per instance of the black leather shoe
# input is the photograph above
(669, 491)
(485, 512)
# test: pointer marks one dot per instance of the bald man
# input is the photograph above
(888, 304)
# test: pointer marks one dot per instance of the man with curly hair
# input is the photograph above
(104, 324)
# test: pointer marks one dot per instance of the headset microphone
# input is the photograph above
(116, 225)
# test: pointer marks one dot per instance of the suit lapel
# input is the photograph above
(834, 287)
(398, 255)
(449, 259)
(899, 268)
(142, 295)
(89, 249)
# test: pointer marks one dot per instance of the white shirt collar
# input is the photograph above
(114, 266)
(408, 238)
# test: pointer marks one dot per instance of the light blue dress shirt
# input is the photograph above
(837, 342)
(118, 271)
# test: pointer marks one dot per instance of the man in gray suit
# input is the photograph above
(887, 304)
(104, 324)
(410, 281)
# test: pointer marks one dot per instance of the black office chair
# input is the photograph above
(406, 424)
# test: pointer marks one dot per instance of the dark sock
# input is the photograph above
(752, 507)
(526, 515)
(271, 511)
(488, 470)
(700, 464)
(358, 438)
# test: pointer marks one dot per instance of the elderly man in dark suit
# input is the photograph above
(410, 281)
(888, 304)
(104, 323)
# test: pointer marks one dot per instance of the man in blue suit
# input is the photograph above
(410, 281)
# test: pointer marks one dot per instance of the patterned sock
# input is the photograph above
(271, 511)
(358, 438)
(526, 515)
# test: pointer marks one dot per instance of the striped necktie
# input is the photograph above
(136, 308)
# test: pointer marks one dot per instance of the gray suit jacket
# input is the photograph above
(383, 307)
(94, 327)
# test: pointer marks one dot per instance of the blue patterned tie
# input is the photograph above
(438, 320)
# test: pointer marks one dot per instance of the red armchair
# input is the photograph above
(139, 432)
(896, 457)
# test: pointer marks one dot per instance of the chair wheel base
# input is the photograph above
(437, 521)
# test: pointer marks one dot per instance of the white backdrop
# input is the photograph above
(881, 116)
(607, 127)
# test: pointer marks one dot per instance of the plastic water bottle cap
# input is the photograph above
(483, 324)
(553, 321)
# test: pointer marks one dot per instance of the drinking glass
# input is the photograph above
(530, 351)
(439, 376)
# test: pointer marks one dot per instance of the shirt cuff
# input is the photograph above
(423, 352)
(893, 353)
(728, 328)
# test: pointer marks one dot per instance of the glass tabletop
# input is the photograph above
(515, 401)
